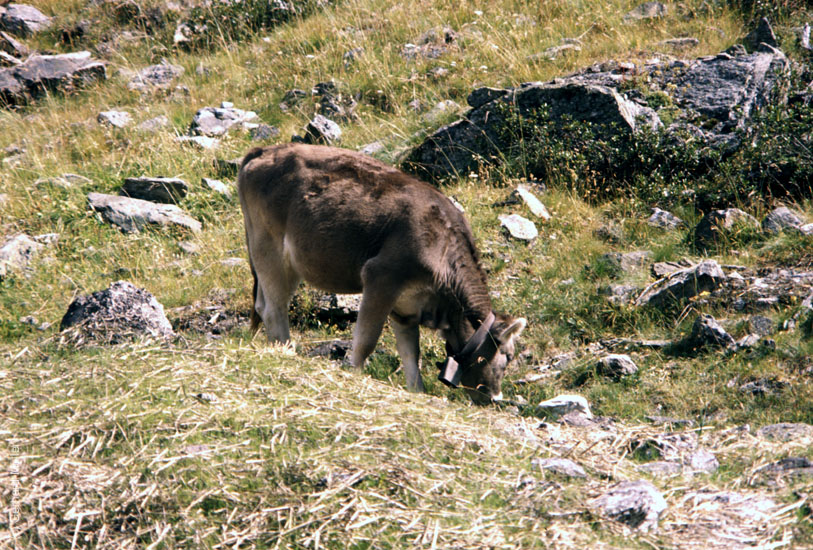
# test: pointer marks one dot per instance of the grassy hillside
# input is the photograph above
(223, 442)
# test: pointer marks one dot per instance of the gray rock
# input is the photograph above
(708, 333)
(24, 20)
(458, 147)
(322, 130)
(761, 325)
(762, 34)
(790, 466)
(481, 96)
(806, 229)
(702, 461)
(780, 219)
(189, 247)
(561, 466)
(154, 124)
(763, 386)
(786, 431)
(233, 262)
(217, 186)
(117, 314)
(665, 446)
(683, 284)
(637, 504)
(8, 60)
(664, 219)
(217, 121)
(627, 262)
(680, 43)
(155, 77)
(441, 110)
(263, 132)
(201, 142)
(661, 468)
(519, 227)
(647, 10)
(564, 404)
(41, 74)
(621, 294)
(155, 189)
(556, 51)
(616, 366)
(116, 119)
(17, 253)
(373, 148)
(335, 350)
(131, 215)
(718, 223)
(338, 308)
(12, 46)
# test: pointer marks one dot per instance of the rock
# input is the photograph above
(532, 202)
(131, 215)
(647, 10)
(164, 190)
(263, 132)
(322, 130)
(780, 219)
(609, 233)
(621, 294)
(617, 263)
(481, 96)
(680, 43)
(763, 386)
(519, 227)
(217, 186)
(338, 309)
(233, 262)
(616, 366)
(786, 431)
(441, 110)
(24, 20)
(708, 333)
(665, 446)
(718, 223)
(555, 51)
(661, 468)
(41, 74)
(189, 247)
(12, 46)
(806, 229)
(561, 466)
(637, 504)
(17, 253)
(201, 142)
(564, 404)
(217, 121)
(335, 350)
(7, 60)
(762, 34)
(351, 56)
(683, 284)
(119, 313)
(664, 219)
(373, 148)
(116, 119)
(761, 325)
(702, 461)
(155, 77)
(790, 466)
(154, 124)
(458, 147)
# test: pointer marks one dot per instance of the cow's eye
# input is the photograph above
(509, 357)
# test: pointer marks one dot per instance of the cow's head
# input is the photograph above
(480, 366)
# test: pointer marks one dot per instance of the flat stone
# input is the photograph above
(42, 74)
(564, 404)
(17, 253)
(519, 227)
(24, 20)
(155, 77)
(132, 215)
(116, 119)
(684, 43)
(616, 366)
(664, 219)
(155, 189)
(637, 504)
(786, 431)
(532, 202)
(686, 283)
(117, 314)
(561, 466)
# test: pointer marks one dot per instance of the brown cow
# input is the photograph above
(347, 223)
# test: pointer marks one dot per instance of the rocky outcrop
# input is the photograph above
(41, 74)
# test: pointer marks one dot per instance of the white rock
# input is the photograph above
(533, 203)
(519, 227)
(563, 404)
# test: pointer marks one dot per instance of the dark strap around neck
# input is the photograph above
(476, 341)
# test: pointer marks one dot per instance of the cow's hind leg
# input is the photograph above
(276, 283)
(407, 340)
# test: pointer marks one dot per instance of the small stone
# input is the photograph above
(561, 466)
(680, 43)
(702, 461)
(761, 325)
(616, 366)
(217, 121)
(188, 247)
(786, 432)
(263, 132)
(322, 130)
(233, 262)
(373, 148)
(155, 77)
(156, 189)
(217, 186)
(154, 124)
(335, 350)
(116, 119)
(637, 504)
(17, 253)
(202, 142)
(780, 219)
(708, 333)
(519, 227)
(440, 111)
(717, 223)
(706, 276)
(564, 404)
(664, 219)
(533, 203)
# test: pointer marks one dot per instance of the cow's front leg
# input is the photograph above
(407, 340)
(381, 289)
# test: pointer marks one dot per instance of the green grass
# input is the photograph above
(300, 452)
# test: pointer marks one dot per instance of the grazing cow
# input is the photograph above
(347, 223)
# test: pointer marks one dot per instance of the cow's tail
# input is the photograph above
(255, 317)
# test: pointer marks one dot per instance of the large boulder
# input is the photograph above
(41, 74)
(23, 20)
(117, 314)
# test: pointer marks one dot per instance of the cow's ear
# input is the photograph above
(513, 328)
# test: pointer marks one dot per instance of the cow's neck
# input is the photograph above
(468, 303)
